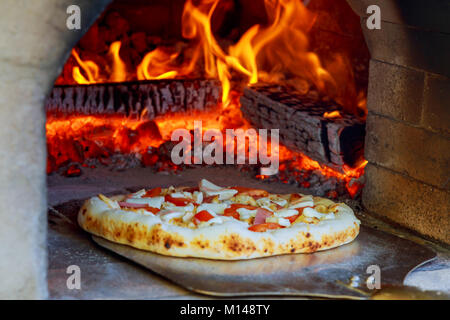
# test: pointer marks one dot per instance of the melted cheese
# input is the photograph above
(167, 215)
(210, 189)
(154, 202)
(113, 204)
(245, 214)
(283, 213)
(305, 201)
(212, 208)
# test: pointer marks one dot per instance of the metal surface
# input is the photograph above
(339, 272)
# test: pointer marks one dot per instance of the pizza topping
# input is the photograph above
(154, 202)
(257, 193)
(245, 199)
(178, 201)
(306, 201)
(137, 194)
(167, 215)
(210, 189)
(191, 189)
(312, 213)
(261, 216)
(188, 216)
(265, 201)
(184, 194)
(208, 204)
(124, 204)
(152, 193)
(283, 213)
(111, 203)
(198, 197)
(211, 199)
(293, 218)
(213, 208)
(264, 227)
(245, 214)
(232, 211)
(147, 211)
(278, 200)
(281, 221)
(203, 216)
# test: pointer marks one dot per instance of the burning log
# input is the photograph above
(138, 100)
(334, 140)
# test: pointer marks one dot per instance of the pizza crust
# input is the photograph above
(230, 240)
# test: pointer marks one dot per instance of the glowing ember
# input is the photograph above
(332, 115)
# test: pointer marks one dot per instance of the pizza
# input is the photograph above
(225, 223)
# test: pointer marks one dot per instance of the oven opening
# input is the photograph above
(142, 71)
(335, 101)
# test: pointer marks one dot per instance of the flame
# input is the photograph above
(278, 52)
(157, 65)
(90, 68)
(119, 70)
(332, 115)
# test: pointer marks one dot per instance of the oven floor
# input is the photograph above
(105, 275)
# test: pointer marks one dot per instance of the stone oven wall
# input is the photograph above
(408, 123)
(34, 43)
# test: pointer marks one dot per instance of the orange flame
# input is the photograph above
(90, 68)
(119, 70)
(332, 114)
(278, 52)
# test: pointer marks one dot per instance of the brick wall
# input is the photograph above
(408, 124)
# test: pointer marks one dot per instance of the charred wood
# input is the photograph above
(303, 127)
(140, 100)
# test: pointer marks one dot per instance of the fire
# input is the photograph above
(89, 67)
(278, 52)
(275, 52)
(119, 71)
(332, 114)
(156, 65)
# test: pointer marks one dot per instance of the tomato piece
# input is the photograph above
(179, 202)
(300, 210)
(231, 213)
(232, 210)
(246, 206)
(203, 216)
(152, 210)
(293, 218)
(152, 193)
(264, 227)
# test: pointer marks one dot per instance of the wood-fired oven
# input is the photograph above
(359, 114)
